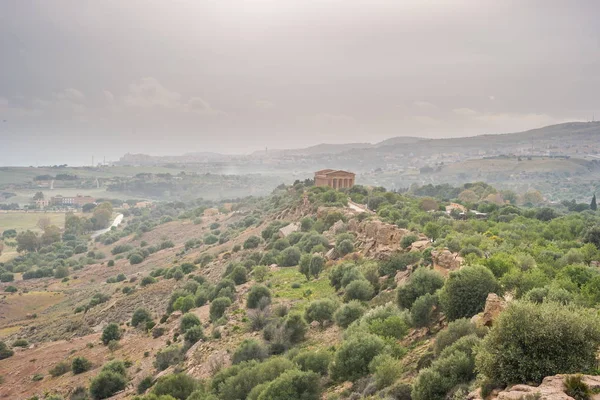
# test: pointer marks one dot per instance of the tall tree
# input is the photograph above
(38, 196)
(27, 241)
(593, 204)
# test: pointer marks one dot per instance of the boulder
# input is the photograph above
(444, 261)
(494, 305)
(420, 245)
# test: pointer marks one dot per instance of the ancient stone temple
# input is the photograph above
(335, 179)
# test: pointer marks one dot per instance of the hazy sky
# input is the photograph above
(81, 78)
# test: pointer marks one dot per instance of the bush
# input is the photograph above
(317, 263)
(345, 247)
(423, 309)
(5, 352)
(140, 316)
(466, 290)
(320, 310)
(185, 303)
(168, 356)
(239, 275)
(7, 277)
(348, 313)
(289, 257)
(145, 384)
(316, 361)
(180, 386)
(106, 384)
(218, 307)
(110, 333)
(193, 334)
(80, 365)
(576, 388)
(295, 327)
(351, 360)
(398, 262)
(360, 289)
(531, 341)
(256, 293)
(59, 369)
(454, 367)
(249, 349)
(11, 289)
(386, 369)
(408, 240)
(252, 242)
(147, 280)
(293, 384)
(188, 321)
(20, 343)
(422, 281)
(239, 381)
(455, 330)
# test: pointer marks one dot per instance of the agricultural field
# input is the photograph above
(22, 221)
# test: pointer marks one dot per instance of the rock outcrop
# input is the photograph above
(444, 261)
(551, 388)
(494, 305)
(377, 239)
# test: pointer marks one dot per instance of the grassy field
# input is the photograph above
(21, 221)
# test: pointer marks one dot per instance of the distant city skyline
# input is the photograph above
(162, 78)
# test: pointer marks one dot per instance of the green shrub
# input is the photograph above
(293, 384)
(59, 369)
(530, 341)
(193, 334)
(348, 313)
(455, 330)
(320, 310)
(423, 309)
(351, 360)
(256, 293)
(344, 247)
(80, 365)
(422, 281)
(455, 366)
(317, 263)
(140, 316)
(398, 262)
(110, 333)
(11, 289)
(385, 369)
(289, 257)
(316, 361)
(360, 289)
(147, 280)
(239, 275)
(393, 326)
(249, 349)
(295, 327)
(408, 240)
(252, 242)
(20, 343)
(180, 386)
(218, 307)
(576, 388)
(188, 321)
(240, 380)
(466, 290)
(145, 384)
(185, 303)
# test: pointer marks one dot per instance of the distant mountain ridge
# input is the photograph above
(547, 137)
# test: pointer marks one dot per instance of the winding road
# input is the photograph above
(115, 223)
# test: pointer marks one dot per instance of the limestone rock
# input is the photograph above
(174, 316)
(551, 388)
(444, 261)
(420, 245)
(494, 305)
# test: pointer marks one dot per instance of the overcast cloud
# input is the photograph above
(82, 78)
